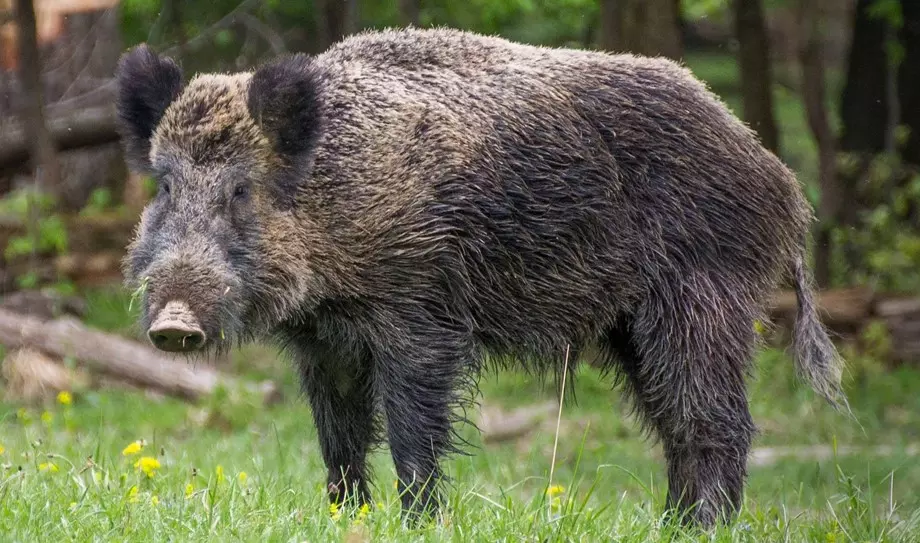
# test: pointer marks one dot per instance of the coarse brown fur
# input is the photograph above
(409, 202)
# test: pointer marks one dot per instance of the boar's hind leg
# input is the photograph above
(685, 361)
(341, 397)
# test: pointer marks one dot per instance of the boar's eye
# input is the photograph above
(241, 192)
(164, 186)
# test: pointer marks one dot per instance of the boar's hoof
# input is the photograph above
(176, 329)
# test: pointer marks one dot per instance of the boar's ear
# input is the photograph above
(283, 101)
(147, 84)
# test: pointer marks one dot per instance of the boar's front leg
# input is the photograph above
(420, 373)
(339, 388)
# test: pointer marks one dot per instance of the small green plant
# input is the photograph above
(45, 231)
(138, 292)
(51, 237)
(883, 244)
(100, 201)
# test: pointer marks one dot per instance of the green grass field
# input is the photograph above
(230, 469)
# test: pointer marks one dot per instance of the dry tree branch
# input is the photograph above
(266, 32)
(222, 24)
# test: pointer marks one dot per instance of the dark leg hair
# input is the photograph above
(685, 354)
(339, 388)
(421, 371)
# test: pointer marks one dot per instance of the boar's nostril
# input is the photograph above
(176, 338)
(176, 329)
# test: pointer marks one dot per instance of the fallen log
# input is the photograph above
(44, 305)
(769, 456)
(497, 426)
(902, 319)
(846, 307)
(116, 356)
(87, 127)
(847, 313)
(31, 375)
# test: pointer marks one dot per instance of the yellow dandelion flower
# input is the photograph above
(148, 465)
(363, 511)
(64, 398)
(154, 500)
(133, 448)
(47, 417)
(2, 449)
(219, 471)
(132, 494)
(334, 511)
(47, 466)
(189, 490)
(555, 490)
(242, 477)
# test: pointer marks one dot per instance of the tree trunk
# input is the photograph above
(909, 80)
(611, 14)
(756, 73)
(409, 11)
(644, 27)
(864, 102)
(871, 108)
(79, 64)
(43, 153)
(337, 19)
(813, 94)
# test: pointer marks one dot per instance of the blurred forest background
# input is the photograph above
(832, 86)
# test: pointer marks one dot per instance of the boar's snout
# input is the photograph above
(175, 329)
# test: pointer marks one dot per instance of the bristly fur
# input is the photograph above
(411, 202)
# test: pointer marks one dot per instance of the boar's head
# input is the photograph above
(220, 255)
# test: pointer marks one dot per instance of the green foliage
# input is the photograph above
(888, 10)
(100, 201)
(556, 22)
(693, 10)
(886, 236)
(50, 235)
(891, 13)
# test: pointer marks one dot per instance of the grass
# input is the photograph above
(612, 479)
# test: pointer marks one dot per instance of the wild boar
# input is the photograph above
(411, 204)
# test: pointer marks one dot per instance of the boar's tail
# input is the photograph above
(816, 358)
